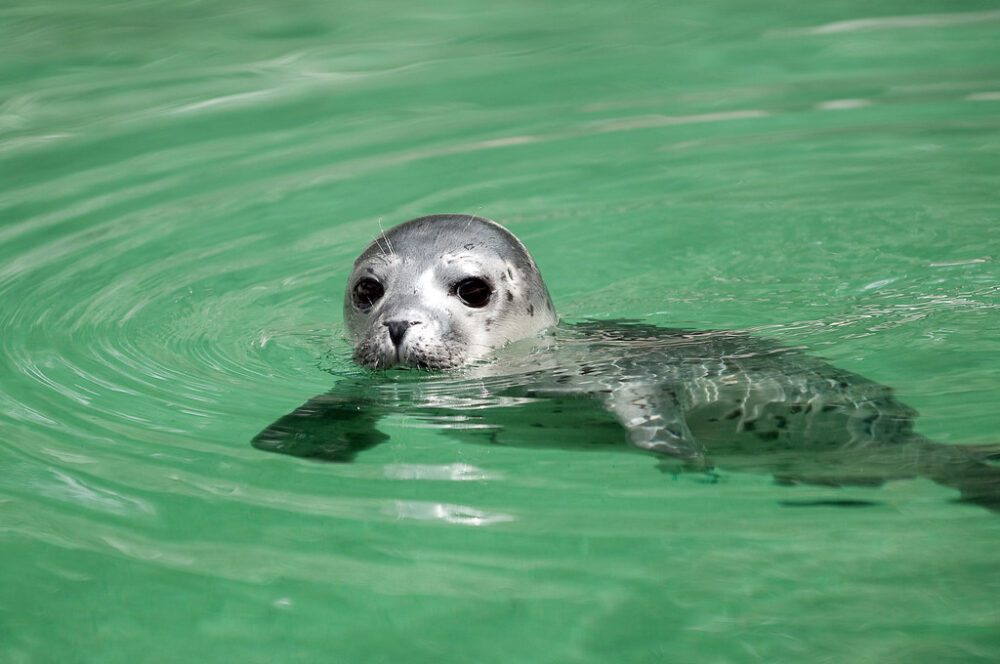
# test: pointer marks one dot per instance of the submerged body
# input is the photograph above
(454, 292)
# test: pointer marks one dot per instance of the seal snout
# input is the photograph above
(398, 328)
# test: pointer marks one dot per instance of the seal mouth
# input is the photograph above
(372, 356)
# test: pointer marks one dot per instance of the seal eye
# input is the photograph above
(367, 292)
(474, 292)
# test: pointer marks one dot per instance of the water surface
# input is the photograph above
(184, 186)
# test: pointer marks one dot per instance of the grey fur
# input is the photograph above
(418, 264)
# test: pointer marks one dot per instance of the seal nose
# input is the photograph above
(397, 329)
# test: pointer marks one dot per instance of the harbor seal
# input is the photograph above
(460, 297)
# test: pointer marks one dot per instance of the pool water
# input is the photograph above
(183, 187)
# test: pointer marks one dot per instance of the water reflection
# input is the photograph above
(461, 515)
(453, 472)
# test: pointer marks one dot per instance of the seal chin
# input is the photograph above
(374, 354)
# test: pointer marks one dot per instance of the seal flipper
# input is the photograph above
(970, 469)
(654, 420)
(331, 427)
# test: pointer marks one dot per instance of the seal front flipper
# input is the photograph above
(654, 419)
(331, 427)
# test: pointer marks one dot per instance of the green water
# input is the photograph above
(184, 184)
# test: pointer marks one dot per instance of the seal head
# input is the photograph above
(440, 291)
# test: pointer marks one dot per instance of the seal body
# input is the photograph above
(461, 293)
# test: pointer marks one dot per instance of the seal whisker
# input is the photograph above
(385, 237)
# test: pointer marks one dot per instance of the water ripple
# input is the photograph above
(897, 22)
(178, 218)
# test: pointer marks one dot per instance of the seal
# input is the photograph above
(461, 297)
